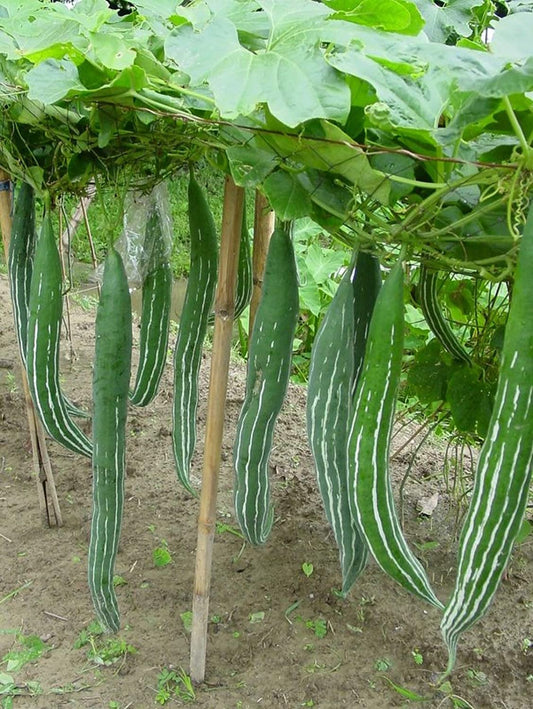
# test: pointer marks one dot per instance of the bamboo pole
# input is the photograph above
(42, 469)
(264, 219)
(224, 311)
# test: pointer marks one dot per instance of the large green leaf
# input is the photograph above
(52, 80)
(446, 18)
(290, 74)
(287, 196)
(470, 401)
(392, 15)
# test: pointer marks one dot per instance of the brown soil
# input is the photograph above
(278, 660)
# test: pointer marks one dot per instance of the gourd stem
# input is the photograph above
(513, 120)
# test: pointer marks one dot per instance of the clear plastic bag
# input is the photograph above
(146, 239)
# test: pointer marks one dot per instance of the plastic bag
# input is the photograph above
(146, 239)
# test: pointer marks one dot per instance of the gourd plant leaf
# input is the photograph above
(470, 400)
(445, 19)
(302, 85)
(390, 15)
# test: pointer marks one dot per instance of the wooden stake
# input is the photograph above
(264, 219)
(42, 469)
(218, 383)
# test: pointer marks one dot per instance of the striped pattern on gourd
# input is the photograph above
(111, 375)
(431, 309)
(329, 400)
(155, 311)
(245, 283)
(372, 502)
(20, 262)
(197, 306)
(42, 357)
(504, 468)
(266, 385)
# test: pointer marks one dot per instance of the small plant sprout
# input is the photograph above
(319, 627)
(186, 619)
(307, 568)
(417, 656)
(161, 555)
(257, 617)
(382, 664)
(174, 684)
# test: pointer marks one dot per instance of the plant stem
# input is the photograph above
(513, 120)
(15, 591)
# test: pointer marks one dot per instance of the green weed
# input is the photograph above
(174, 685)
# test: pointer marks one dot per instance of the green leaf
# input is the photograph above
(310, 299)
(448, 17)
(307, 568)
(322, 263)
(250, 165)
(161, 556)
(325, 147)
(469, 401)
(512, 37)
(428, 374)
(186, 619)
(391, 15)
(406, 101)
(257, 617)
(112, 51)
(287, 196)
(52, 80)
(300, 85)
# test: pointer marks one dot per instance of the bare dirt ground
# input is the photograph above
(277, 637)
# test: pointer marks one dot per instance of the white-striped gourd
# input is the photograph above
(245, 283)
(370, 429)
(155, 315)
(336, 360)
(504, 468)
(266, 385)
(432, 311)
(20, 262)
(244, 288)
(42, 358)
(366, 286)
(111, 375)
(197, 306)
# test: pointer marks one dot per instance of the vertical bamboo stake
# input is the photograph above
(224, 311)
(42, 468)
(264, 219)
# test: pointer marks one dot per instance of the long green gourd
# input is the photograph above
(20, 262)
(42, 354)
(504, 468)
(431, 309)
(245, 283)
(197, 306)
(266, 386)
(372, 502)
(155, 315)
(111, 375)
(243, 293)
(336, 360)
(366, 287)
